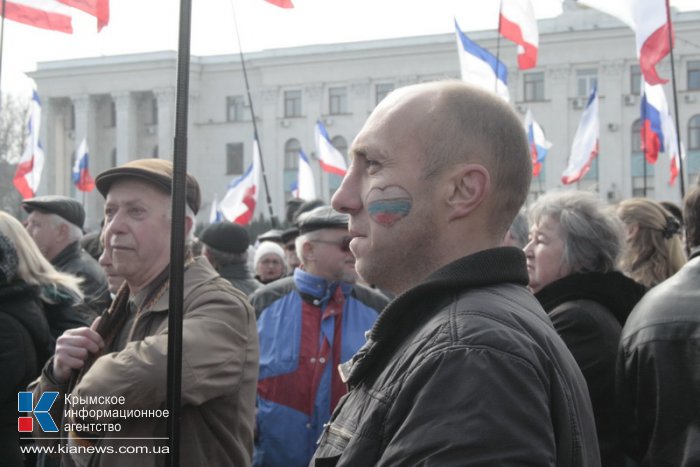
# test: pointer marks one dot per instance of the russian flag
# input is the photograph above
(481, 68)
(306, 187)
(517, 23)
(539, 146)
(31, 164)
(238, 206)
(332, 161)
(81, 175)
(650, 22)
(585, 146)
(654, 110)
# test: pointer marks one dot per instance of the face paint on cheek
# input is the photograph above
(387, 206)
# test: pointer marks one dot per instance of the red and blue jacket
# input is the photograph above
(307, 327)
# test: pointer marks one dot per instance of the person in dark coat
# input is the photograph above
(575, 243)
(56, 225)
(658, 366)
(463, 367)
(225, 245)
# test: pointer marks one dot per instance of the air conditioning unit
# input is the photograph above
(579, 102)
(690, 98)
(285, 123)
(630, 99)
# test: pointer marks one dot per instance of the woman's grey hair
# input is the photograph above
(593, 236)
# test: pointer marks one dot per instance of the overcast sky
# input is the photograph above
(150, 25)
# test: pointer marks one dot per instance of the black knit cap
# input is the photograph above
(158, 172)
(63, 206)
(324, 217)
(226, 237)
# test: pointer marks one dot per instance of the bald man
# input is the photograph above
(464, 367)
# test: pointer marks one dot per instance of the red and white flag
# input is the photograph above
(31, 164)
(517, 22)
(55, 15)
(238, 206)
(97, 8)
(331, 160)
(585, 146)
(650, 23)
(281, 3)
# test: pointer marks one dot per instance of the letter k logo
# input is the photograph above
(25, 403)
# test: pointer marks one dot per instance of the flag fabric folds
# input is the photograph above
(97, 8)
(654, 113)
(650, 23)
(517, 23)
(331, 160)
(481, 68)
(539, 146)
(238, 206)
(81, 174)
(281, 3)
(585, 146)
(674, 153)
(215, 215)
(31, 164)
(45, 14)
(306, 187)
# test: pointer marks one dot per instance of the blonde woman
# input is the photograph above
(58, 292)
(654, 248)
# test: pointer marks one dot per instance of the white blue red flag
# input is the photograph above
(650, 23)
(238, 206)
(81, 173)
(517, 23)
(331, 160)
(31, 164)
(480, 67)
(306, 187)
(215, 215)
(585, 146)
(654, 113)
(539, 146)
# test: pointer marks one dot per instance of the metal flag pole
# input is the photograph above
(498, 45)
(681, 174)
(2, 41)
(177, 238)
(273, 218)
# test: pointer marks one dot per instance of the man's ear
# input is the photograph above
(189, 225)
(62, 230)
(468, 185)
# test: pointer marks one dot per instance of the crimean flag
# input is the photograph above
(238, 206)
(306, 187)
(31, 164)
(81, 173)
(97, 8)
(332, 161)
(585, 146)
(45, 14)
(517, 23)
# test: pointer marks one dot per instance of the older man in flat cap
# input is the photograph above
(115, 372)
(308, 324)
(225, 245)
(56, 225)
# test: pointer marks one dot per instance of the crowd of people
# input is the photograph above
(427, 317)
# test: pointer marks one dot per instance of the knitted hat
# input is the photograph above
(268, 247)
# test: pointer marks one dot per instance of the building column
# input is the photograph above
(557, 92)
(126, 127)
(166, 122)
(50, 127)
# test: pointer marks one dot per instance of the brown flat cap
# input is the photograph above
(63, 206)
(159, 172)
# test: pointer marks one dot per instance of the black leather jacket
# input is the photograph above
(658, 372)
(464, 369)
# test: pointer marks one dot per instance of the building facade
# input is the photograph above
(125, 106)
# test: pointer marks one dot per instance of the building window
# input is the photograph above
(382, 90)
(692, 161)
(234, 108)
(292, 104)
(534, 86)
(291, 166)
(590, 180)
(694, 75)
(338, 100)
(234, 158)
(586, 80)
(154, 111)
(635, 80)
(641, 171)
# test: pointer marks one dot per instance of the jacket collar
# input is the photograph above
(236, 271)
(68, 253)
(196, 274)
(410, 310)
(317, 287)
